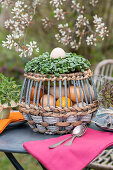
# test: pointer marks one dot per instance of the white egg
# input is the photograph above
(58, 52)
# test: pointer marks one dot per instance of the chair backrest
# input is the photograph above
(103, 72)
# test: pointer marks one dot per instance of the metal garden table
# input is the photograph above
(11, 141)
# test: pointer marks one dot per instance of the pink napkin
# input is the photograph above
(74, 157)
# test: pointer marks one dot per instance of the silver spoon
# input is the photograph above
(74, 132)
(59, 143)
(77, 132)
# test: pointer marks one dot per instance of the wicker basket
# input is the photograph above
(4, 114)
(54, 119)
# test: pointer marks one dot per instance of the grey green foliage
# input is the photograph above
(45, 65)
(9, 90)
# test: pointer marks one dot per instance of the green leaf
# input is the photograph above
(9, 90)
(9, 104)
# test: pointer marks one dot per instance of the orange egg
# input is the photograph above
(69, 103)
(35, 104)
(72, 93)
(32, 93)
(45, 97)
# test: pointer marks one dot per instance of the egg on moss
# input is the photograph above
(57, 53)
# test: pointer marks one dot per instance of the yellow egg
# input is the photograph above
(63, 102)
(57, 92)
(45, 97)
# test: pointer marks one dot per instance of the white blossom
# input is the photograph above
(5, 3)
(37, 49)
(57, 3)
(17, 25)
(78, 7)
(100, 27)
(58, 13)
(16, 45)
(16, 34)
(64, 35)
(8, 23)
(91, 40)
(30, 47)
(77, 32)
(35, 3)
(73, 44)
(9, 42)
(93, 2)
(68, 32)
(46, 22)
(27, 50)
(81, 21)
(23, 53)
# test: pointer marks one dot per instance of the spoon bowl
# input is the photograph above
(77, 132)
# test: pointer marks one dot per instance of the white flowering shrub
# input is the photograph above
(74, 23)
(72, 19)
(22, 16)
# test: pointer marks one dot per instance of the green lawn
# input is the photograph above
(27, 161)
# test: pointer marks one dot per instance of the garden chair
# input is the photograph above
(103, 162)
(103, 72)
(105, 159)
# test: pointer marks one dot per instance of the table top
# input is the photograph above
(11, 140)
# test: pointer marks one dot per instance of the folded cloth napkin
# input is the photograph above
(13, 117)
(73, 157)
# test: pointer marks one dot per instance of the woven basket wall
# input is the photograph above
(57, 119)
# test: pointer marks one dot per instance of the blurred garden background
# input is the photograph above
(12, 65)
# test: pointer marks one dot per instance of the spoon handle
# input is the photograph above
(71, 140)
(59, 143)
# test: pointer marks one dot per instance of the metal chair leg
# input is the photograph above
(13, 161)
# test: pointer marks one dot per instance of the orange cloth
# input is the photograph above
(13, 117)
